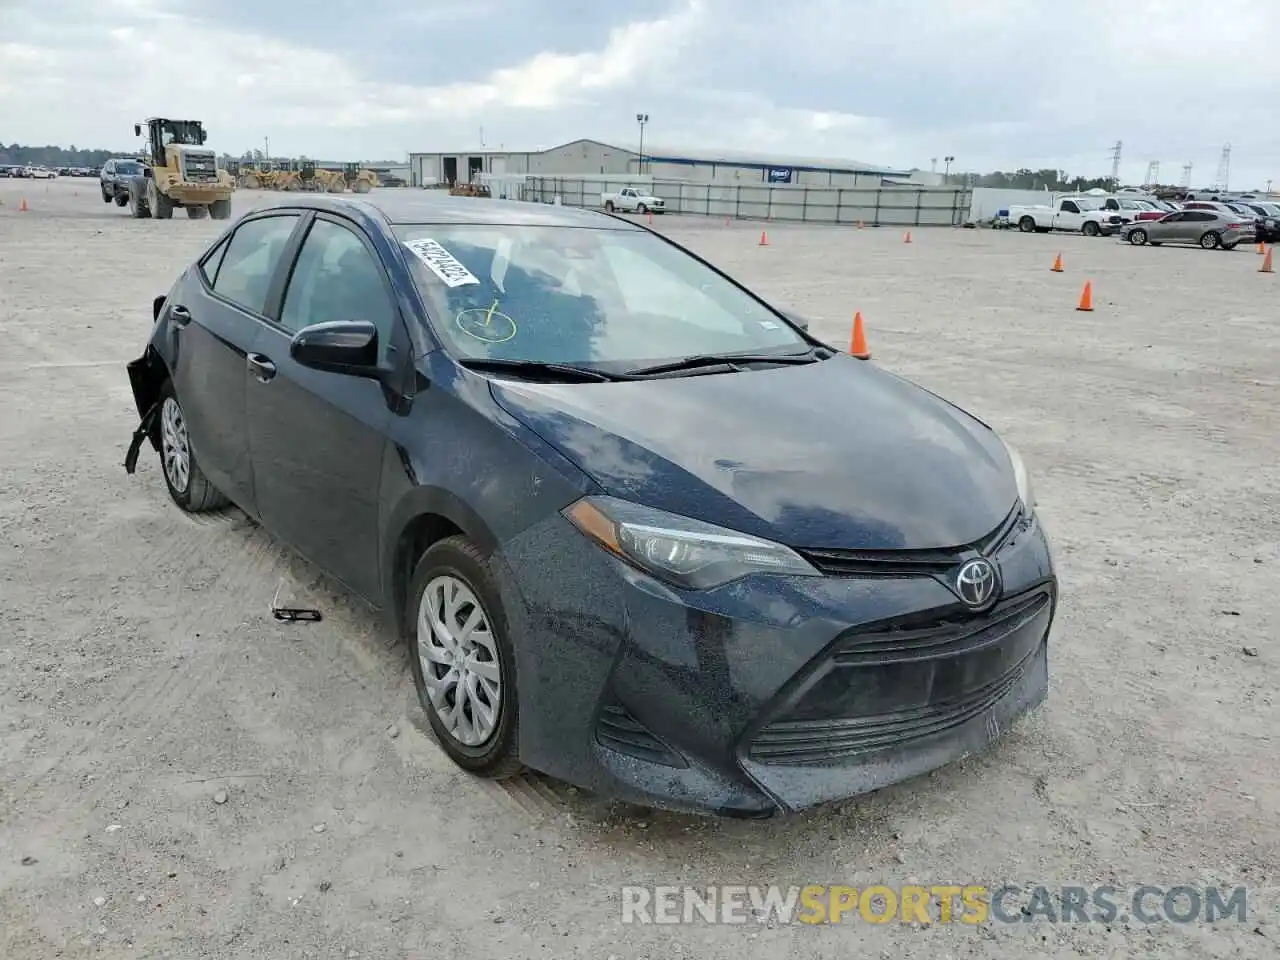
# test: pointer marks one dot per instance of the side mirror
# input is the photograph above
(137, 129)
(341, 346)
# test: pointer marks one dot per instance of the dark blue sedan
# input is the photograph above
(640, 530)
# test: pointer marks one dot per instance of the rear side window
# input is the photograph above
(210, 265)
(244, 275)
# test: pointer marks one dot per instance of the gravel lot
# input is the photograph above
(184, 777)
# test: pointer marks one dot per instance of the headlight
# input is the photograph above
(681, 551)
(1025, 491)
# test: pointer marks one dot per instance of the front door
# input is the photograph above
(217, 312)
(318, 439)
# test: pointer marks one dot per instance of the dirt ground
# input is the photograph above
(184, 777)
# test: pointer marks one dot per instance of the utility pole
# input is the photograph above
(642, 119)
(266, 148)
(1115, 164)
(1186, 175)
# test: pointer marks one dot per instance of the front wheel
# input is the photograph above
(187, 484)
(1138, 237)
(1090, 229)
(461, 658)
(220, 209)
(642, 209)
(1210, 240)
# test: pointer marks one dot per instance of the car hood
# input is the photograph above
(835, 454)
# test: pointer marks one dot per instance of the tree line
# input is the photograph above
(18, 155)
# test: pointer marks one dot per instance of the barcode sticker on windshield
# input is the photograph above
(441, 262)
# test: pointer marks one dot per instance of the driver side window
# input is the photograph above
(337, 278)
(1069, 207)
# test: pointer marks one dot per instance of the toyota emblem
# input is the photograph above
(976, 582)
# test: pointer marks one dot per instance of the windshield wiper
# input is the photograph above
(734, 361)
(567, 372)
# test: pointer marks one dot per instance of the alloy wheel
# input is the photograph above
(458, 654)
(175, 446)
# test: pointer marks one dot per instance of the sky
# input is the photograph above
(998, 84)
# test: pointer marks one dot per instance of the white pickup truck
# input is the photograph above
(1077, 214)
(631, 200)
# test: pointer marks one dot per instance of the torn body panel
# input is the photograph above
(147, 375)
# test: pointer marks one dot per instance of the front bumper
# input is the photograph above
(767, 694)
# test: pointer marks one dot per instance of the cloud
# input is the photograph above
(995, 83)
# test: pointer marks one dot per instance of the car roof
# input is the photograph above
(410, 206)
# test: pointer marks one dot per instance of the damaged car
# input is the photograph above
(640, 529)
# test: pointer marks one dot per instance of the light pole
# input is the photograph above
(642, 119)
(946, 171)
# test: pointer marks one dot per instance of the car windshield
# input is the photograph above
(1089, 203)
(128, 167)
(583, 296)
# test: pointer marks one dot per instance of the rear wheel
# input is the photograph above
(1210, 240)
(462, 661)
(1138, 237)
(187, 484)
(1027, 225)
(608, 205)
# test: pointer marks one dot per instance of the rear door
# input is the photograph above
(318, 439)
(1194, 223)
(217, 313)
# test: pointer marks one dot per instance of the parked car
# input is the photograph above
(613, 499)
(631, 200)
(1082, 214)
(1268, 219)
(1209, 228)
(1132, 208)
(40, 173)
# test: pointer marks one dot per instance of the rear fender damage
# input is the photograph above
(147, 375)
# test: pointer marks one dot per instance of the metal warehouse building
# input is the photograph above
(588, 157)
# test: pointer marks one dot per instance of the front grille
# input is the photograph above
(618, 730)
(817, 741)
(929, 636)
(199, 167)
(915, 563)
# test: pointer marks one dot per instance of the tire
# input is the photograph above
(197, 213)
(454, 564)
(161, 206)
(1090, 229)
(106, 197)
(1027, 225)
(608, 205)
(188, 488)
(138, 205)
(642, 209)
(1229, 246)
(1210, 240)
(1138, 237)
(220, 209)
(122, 199)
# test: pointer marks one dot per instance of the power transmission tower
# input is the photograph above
(1224, 168)
(1115, 163)
(1186, 175)
(1153, 173)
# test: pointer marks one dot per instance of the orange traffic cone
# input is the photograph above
(1086, 296)
(858, 346)
(764, 239)
(859, 224)
(1266, 263)
(1057, 264)
(1262, 248)
(22, 208)
(907, 238)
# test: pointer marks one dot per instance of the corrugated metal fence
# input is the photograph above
(887, 206)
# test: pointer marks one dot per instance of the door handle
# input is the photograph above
(180, 314)
(261, 367)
